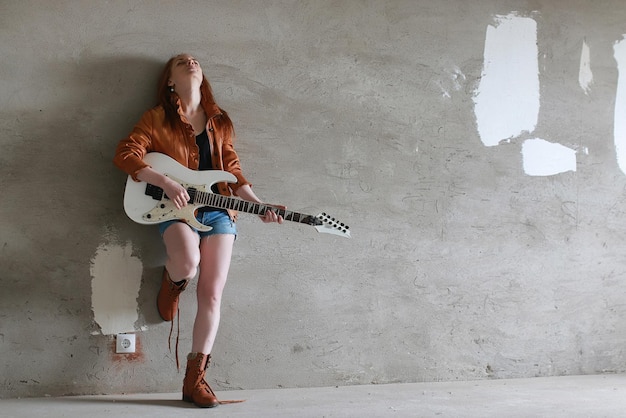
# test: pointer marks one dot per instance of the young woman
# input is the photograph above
(188, 126)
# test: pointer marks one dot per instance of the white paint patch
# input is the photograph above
(619, 50)
(543, 158)
(507, 99)
(115, 283)
(585, 76)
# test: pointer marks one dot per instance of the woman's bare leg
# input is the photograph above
(183, 254)
(216, 252)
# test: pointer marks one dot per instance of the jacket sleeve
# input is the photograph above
(131, 150)
(232, 164)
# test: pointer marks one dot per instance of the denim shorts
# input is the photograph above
(217, 219)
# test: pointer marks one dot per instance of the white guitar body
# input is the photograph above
(143, 209)
(146, 204)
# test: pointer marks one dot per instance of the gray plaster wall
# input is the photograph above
(461, 265)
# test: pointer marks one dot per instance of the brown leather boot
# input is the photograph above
(195, 388)
(167, 300)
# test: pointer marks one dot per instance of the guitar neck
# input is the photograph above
(219, 201)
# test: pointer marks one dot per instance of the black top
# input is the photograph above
(202, 141)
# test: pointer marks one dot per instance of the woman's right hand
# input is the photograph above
(175, 192)
(172, 189)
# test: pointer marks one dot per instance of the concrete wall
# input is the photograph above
(487, 219)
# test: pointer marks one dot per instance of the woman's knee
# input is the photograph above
(209, 292)
(209, 302)
(187, 267)
(183, 253)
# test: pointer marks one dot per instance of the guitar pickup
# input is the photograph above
(153, 191)
(192, 195)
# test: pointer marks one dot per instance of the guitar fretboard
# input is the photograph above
(219, 201)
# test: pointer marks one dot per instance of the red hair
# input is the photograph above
(169, 100)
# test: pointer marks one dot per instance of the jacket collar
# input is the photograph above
(211, 109)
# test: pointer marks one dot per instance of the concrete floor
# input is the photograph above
(577, 396)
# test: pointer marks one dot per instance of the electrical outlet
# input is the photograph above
(125, 343)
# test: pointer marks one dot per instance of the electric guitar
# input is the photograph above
(147, 204)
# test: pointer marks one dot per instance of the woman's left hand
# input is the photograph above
(245, 192)
(272, 216)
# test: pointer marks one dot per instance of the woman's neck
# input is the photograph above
(190, 101)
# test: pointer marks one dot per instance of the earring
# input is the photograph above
(171, 89)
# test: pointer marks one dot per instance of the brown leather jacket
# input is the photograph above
(153, 134)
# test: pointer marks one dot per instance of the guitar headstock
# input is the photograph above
(329, 225)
